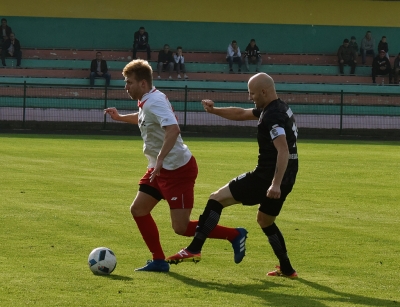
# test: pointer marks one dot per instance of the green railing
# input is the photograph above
(32, 106)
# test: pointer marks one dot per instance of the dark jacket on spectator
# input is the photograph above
(103, 66)
(141, 39)
(378, 62)
(7, 43)
(396, 63)
(252, 51)
(383, 46)
(165, 57)
(346, 53)
(8, 31)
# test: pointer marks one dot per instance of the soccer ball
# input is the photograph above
(102, 261)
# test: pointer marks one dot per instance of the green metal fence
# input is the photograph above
(60, 107)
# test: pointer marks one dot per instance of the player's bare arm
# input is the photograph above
(171, 134)
(127, 118)
(231, 113)
(282, 159)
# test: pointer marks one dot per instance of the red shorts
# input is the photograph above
(176, 186)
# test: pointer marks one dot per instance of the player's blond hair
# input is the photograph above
(141, 69)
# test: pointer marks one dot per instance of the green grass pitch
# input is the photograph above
(62, 196)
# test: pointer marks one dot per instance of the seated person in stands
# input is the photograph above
(383, 45)
(353, 44)
(141, 42)
(165, 61)
(252, 55)
(381, 66)
(11, 48)
(367, 46)
(347, 55)
(99, 69)
(396, 69)
(233, 55)
(180, 63)
(5, 30)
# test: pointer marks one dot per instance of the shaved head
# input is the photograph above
(262, 89)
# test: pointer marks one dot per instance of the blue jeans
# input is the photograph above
(364, 53)
(94, 75)
(232, 60)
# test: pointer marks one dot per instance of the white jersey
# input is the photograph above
(155, 112)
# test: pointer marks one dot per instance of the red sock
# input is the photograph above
(151, 237)
(219, 232)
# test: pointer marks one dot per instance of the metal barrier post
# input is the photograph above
(24, 107)
(341, 112)
(185, 109)
(105, 107)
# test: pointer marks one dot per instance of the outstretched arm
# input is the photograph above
(128, 118)
(231, 113)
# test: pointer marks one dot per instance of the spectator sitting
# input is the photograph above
(252, 54)
(165, 61)
(367, 46)
(396, 69)
(383, 45)
(347, 55)
(180, 63)
(234, 56)
(141, 42)
(381, 66)
(5, 30)
(353, 44)
(99, 69)
(11, 48)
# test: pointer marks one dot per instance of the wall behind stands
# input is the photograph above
(279, 26)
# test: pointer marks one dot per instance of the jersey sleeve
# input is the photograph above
(275, 125)
(163, 112)
(257, 112)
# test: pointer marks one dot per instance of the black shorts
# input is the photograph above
(251, 190)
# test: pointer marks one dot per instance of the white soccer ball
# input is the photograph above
(102, 261)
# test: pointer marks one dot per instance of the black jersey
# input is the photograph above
(274, 120)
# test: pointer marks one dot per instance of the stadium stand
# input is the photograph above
(202, 66)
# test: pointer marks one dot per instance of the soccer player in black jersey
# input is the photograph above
(268, 184)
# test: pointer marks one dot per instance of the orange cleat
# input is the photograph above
(278, 272)
(184, 256)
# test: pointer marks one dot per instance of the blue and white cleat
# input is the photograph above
(239, 245)
(155, 266)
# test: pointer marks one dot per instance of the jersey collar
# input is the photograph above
(141, 102)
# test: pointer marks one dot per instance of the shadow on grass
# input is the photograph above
(262, 292)
(116, 277)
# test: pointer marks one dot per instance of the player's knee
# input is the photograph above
(135, 211)
(264, 220)
(179, 229)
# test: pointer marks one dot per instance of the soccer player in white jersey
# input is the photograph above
(171, 170)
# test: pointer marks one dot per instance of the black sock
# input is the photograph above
(207, 222)
(277, 242)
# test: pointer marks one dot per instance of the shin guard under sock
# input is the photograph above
(151, 237)
(219, 232)
(277, 242)
(207, 222)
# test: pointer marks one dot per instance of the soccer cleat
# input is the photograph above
(184, 256)
(239, 245)
(278, 272)
(155, 266)
(179, 76)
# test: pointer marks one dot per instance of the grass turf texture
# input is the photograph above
(62, 196)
